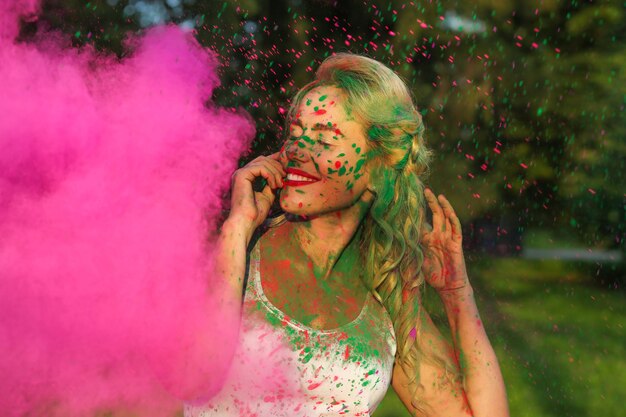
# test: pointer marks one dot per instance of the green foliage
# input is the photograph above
(523, 102)
(555, 335)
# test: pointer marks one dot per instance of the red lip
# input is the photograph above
(295, 171)
(299, 172)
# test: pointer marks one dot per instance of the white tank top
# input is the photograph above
(285, 368)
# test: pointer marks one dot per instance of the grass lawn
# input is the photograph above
(560, 338)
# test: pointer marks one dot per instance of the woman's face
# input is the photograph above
(324, 156)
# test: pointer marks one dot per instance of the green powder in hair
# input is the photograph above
(376, 132)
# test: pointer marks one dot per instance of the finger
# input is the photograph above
(275, 156)
(256, 169)
(438, 217)
(275, 160)
(264, 201)
(277, 167)
(454, 222)
(267, 195)
(263, 164)
(426, 239)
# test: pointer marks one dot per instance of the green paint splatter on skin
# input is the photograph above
(307, 139)
(363, 341)
(342, 170)
(300, 144)
(358, 151)
(308, 102)
(322, 98)
(316, 108)
(331, 171)
(359, 165)
(299, 191)
(340, 155)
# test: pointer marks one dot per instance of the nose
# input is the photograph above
(295, 150)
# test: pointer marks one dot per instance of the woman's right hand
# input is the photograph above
(250, 208)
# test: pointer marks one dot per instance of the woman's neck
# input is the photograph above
(325, 238)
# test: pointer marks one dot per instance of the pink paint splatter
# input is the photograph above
(314, 385)
(110, 177)
(320, 112)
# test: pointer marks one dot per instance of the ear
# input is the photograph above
(369, 194)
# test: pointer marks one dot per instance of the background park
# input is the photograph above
(523, 103)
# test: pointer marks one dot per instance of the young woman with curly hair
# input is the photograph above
(332, 285)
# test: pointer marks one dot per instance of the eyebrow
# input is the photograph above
(318, 126)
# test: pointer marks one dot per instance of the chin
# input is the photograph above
(293, 209)
(290, 207)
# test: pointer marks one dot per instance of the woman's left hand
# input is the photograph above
(444, 263)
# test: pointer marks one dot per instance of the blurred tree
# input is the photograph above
(523, 101)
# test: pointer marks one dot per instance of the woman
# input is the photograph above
(337, 277)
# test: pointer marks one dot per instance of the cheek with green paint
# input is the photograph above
(328, 144)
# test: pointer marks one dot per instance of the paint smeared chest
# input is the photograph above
(290, 283)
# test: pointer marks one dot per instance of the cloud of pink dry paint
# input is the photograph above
(110, 176)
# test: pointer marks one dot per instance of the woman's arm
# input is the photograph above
(484, 384)
(249, 209)
(230, 261)
(483, 392)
